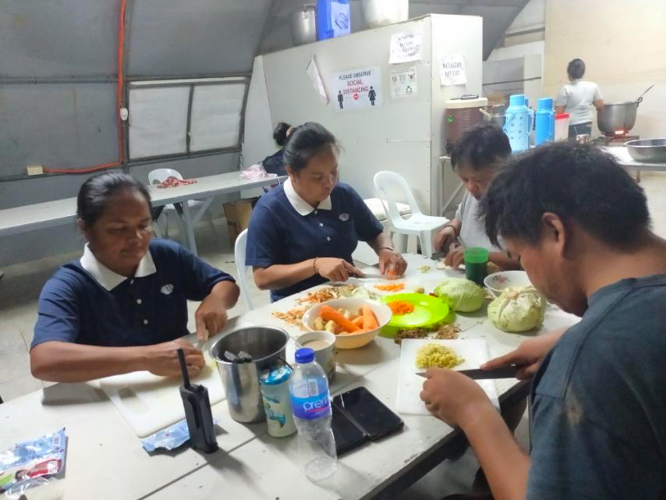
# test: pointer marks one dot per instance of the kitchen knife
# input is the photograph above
(378, 277)
(479, 374)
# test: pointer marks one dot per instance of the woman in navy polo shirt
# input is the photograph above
(304, 232)
(123, 306)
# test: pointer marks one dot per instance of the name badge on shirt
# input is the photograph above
(167, 289)
(344, 217)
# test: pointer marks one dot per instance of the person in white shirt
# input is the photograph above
(477, 157)
(577, 98)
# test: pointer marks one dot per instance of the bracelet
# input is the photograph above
(314, 265)
(387, 248)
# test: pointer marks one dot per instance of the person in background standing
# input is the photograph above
(274, 164)
(577, 98)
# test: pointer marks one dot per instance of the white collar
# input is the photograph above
(106, 277)
(302, 206)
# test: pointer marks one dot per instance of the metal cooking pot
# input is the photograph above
(303, 25)
(619, 117)
(266, 346)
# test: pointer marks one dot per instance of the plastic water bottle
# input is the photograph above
(311, 405)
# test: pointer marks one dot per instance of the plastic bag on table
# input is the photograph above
(255, 172)
(26, 464)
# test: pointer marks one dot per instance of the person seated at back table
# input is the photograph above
(303, 233)
(477, 157)
(123, 306)
(581, 228)
(274, 164)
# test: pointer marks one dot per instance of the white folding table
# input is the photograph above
(55, 213)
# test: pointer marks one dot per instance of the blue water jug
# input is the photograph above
(333, 18)
(545, 121)
(518, 124)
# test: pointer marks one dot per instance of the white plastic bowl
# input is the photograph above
(497, 282)
(351, 340)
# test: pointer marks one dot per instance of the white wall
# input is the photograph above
(623, 45)
(443, 178)
(258, 140)
(404, 135)
(514, 51)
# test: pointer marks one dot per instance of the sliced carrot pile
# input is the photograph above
(369, 318)
(330, 314)
(392, 287)
(400, 307)
(344, 322)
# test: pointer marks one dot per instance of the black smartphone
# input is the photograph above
(368, 412)
(347, 435)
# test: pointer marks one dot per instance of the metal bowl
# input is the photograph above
(647, 150)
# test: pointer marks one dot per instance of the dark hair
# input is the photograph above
(579, 183)
(480, 147)
(307, 141)
(95, 193)
(576, 69)
(280, 133)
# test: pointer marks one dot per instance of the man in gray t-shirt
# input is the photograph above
(578, 98)
(476, 157)
(598, 405)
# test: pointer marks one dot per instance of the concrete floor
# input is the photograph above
(21, 284)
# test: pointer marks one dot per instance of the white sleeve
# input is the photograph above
(562, 97)
(461, 207)
(597, 92)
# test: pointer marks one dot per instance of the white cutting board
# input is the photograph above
(149, 403)
(410, 385)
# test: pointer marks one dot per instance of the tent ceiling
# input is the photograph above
(172, 37)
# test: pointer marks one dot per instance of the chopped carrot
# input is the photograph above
(330, 314)
(369, 318)
(392, 287)
(391, 272)
(400, 307)
(358, 321)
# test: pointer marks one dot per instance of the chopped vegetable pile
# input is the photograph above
(346, 322)
(400, 307)
(437, 356)
(391, 287)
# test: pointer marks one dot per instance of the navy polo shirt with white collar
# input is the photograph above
(285, 229)
(86, 303)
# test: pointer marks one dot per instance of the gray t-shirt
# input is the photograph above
(577, 97)
(599, 400)
(472, 232)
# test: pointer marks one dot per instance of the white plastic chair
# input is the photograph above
(239, 257)
(158, 176)
(419, 225)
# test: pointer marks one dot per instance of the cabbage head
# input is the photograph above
(517, 309)
(462, 295)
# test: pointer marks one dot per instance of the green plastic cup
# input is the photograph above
(476, 264)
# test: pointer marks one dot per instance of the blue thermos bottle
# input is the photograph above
(333, 18)
(545, 121)
(518, 125)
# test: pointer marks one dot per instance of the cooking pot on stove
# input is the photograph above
(619, 118)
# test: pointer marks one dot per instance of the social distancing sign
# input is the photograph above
(358, 89)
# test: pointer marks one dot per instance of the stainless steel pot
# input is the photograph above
(647, 150)
(619, 117)
(304, 25)
(267, 347)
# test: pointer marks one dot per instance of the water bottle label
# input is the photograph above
(309, 399)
